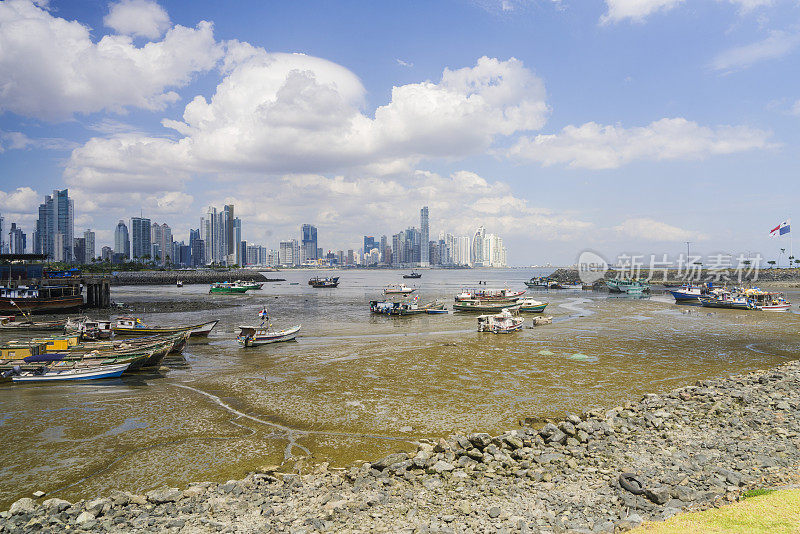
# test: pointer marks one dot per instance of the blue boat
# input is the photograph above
(690, 293)
(53, 372)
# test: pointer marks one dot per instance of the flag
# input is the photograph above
(782, 229)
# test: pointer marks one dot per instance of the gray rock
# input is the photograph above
(54, 506)
(513, 442)
(25, 505)
(494, 512)
(659, 495)
(557, 437)
(164, 495)
(684, 493)
(441, 466)
(567, 428)
(84, 519)
(383, 463)
(548, 430)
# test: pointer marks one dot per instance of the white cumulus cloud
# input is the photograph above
(138, 18)
(652, 230)
(635, 10)
(52, 69)
(291, 113)
(595, 146)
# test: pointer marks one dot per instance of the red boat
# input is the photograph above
(41, 299)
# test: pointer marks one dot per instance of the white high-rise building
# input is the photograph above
(478, 247)
(424, 231)
(88, 237)
(462, 250)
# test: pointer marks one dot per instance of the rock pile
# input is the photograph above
(693, 447)
(200, 276)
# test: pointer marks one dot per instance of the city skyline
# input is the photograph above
(656, 115)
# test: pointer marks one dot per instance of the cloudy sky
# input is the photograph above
(562, 125)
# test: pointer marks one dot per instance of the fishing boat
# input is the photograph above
(573, 285)
(767, 300)
(252, 336)
(89, 329)
(54, 373)
(632, 287)
(489, 295)
(132, 326)
(179, 283)
(381, 306)
(538, 282)
(227, 288)
(413, 274)
(27, 325)
(689, 293)
(484, 306)
(40, 299)
(531, 305)
(248, 285)
(502, 323)
(414, 308)
(398, 289)
(724, 298)
(319, 282)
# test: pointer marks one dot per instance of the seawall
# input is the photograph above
(201, 276)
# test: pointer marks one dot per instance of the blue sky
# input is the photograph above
(611, 125)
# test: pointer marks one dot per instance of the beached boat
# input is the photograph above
(412, 275)
(227, 288)
(531, 305)
(502, 323)
(89, 329)
(539, 282)
(248, 285)
(414, 308)
(40, 299)
(252, 336)
(632, 287)
(27, 325)
(489, 295)
(767, 300)
(724, 298)
(484, 306)
(688, 293)
(132, 326)
(54, 373)
(323, 283)
(398, 289)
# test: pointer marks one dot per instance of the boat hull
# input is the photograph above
(682, 296)
(41, 305)
(199, 330)
(228, 290)
(458, 306)
(533, 309)
(266, 338)
(89, 373)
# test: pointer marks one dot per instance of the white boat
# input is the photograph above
(72, 373)
(398, 289)
(179, 283)
(502, 323)
(89, 329)
(252, 336)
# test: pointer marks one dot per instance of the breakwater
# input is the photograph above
(201, 276)
(690, 448)
(769, 277)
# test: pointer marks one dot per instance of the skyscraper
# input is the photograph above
(478, 258)
(122, 240)
(166, 244)
(424, 230)
(369, 244)
(16, 240)
(289, 253)
(89, 252)
(141, 243)
(230, 243)
(55, 227)
(238, 258)
(308, 242)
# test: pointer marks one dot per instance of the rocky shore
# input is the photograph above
(691, 448)
(201, 276)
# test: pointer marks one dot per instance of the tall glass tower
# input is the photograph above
(424, 238)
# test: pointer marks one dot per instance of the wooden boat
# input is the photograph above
(723, 298)
(414, 308)
(688, 293)
(398, 289)
(489, 295)
(767, 300)
(134, 361)
(27, 325)
(252, 336)
(381, 306)
(131, 326)
(318, 282)
(538, 282)
(55, 373)
(248, 285)
(226, 288)
(531, 305)
(575, 285)
(413, 274)
(502, 323)
(89, 329)
(485, 306)
(41, 299)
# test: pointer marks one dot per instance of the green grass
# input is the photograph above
(761, 512)
(756, 492)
